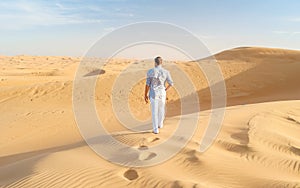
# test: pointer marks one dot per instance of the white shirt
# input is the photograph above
(156, 79)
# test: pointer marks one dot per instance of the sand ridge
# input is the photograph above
(258, 146)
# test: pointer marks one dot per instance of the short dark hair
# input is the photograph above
(157, 60)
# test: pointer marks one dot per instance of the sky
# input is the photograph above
(70, 28)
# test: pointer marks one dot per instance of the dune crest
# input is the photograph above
(258, 146)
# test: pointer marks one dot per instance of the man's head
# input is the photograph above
(158, 61)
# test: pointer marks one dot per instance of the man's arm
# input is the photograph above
(146, 94)
(168, 87)
(169, 80)
(147, 87)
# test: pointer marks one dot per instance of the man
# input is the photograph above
(156, 79)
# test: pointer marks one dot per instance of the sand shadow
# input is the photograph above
(250, 91)
(95, 73)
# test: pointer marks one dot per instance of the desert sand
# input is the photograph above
(258, 145)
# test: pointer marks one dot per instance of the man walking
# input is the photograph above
(156, 79)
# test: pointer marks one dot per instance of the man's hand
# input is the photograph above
(146, 93)
(168, 87)
(146, 99)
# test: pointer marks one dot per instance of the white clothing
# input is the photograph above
(156, 79)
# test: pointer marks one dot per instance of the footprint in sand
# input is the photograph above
(144, 141)
(152, 139)
(143, 147)
(131, 174)
(27, 114)
(146, 155)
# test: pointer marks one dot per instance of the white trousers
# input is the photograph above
(158, 112)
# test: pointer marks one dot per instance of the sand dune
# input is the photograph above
(258, 146)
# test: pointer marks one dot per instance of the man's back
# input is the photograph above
(156, 78)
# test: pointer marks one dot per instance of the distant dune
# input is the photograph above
(258, 146)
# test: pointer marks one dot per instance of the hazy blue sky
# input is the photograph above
(65, 27)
